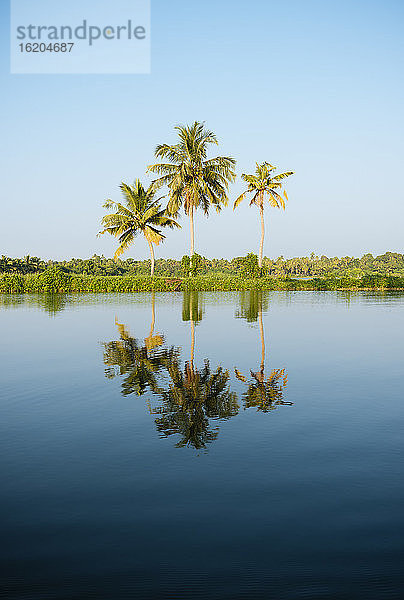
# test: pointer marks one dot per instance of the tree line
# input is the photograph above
(390, 263)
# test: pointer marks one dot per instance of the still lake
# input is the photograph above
(202, 445)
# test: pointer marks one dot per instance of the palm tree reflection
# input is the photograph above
(263, 393)
(195, 397)
(186, 400)
(139, 362)
(192, 311)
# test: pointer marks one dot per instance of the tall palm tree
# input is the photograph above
(263, 183)
(142, 213)
(193, 180)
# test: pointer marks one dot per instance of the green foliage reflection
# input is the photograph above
(263, 392)
(193, 400)
(189, 401)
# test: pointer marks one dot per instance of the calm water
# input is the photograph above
(219, 446)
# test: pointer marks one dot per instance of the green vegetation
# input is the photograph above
(264, 183)
(55, 279)
(388, 264)
(193, 180)
(142, 213)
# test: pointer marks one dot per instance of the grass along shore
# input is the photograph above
(55, 280)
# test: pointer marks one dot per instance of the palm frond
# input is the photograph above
(263, 182)
(192, 179)
(239, 200)
(153, 235)
(142, 214)
(125, 241)
(281, 176)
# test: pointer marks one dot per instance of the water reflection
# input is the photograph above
(252, 303)
(194, 398)
(50, 303)
(263, 392)
(192, 306)
(186, 400)
(137, 361)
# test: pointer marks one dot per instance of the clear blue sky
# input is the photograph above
(313, 87)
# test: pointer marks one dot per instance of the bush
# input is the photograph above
(248, 266)
(192, 267)
(55, 280)
(13, 284)
(52, 280)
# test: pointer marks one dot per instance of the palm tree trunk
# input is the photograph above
(153, 316)
(191, 315)
(192, 341)
(262, 235)
(191, 224)
(261, 325)
(152, 258)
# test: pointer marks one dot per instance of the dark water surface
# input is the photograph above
(233, 445)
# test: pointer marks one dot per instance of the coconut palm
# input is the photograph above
(193, 180)
(263, 183)
(142, 214)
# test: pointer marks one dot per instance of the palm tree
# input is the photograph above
(193, 179)
(142, 213)
(261, 184)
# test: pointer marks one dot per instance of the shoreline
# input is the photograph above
(57, 281)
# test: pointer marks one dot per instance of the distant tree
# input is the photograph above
(247, 265)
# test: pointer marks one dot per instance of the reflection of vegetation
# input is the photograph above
(152, 341)
(263, 393)
(52, 303)
(185, 400)
(194, 398)
(139, 362)
(251, 303)
(191, 399)
(191, 306)
(140, 365)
